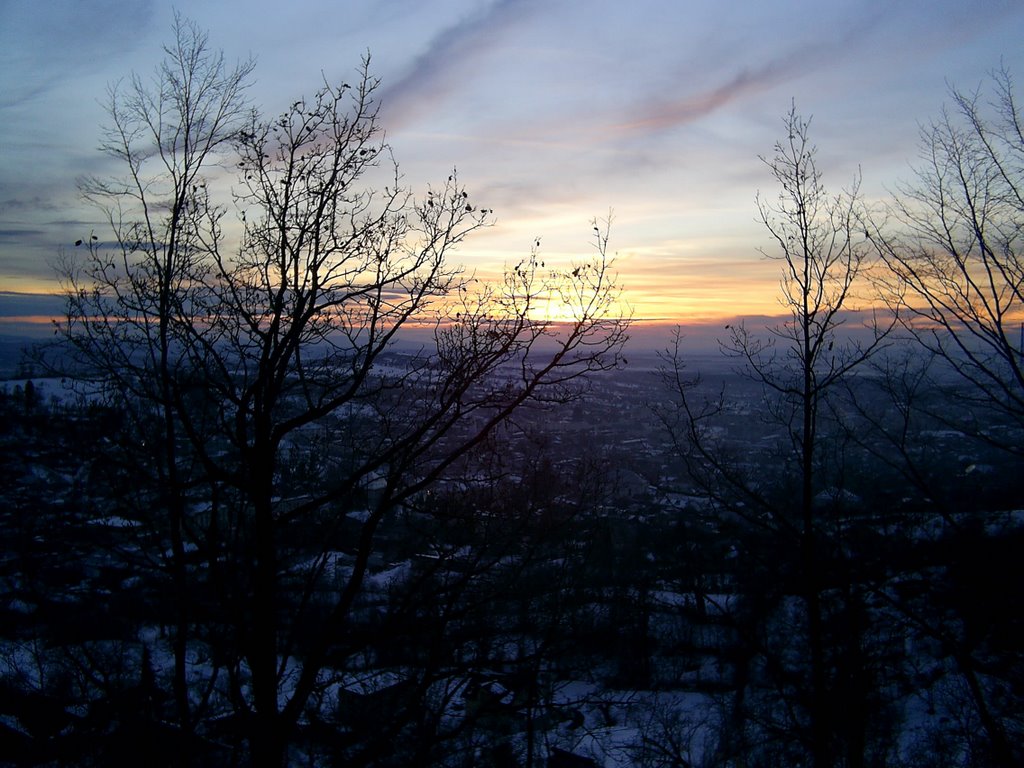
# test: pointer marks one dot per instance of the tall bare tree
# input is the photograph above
(819, 243)
(274, 344)
(956, 273)
(125, 299)
(955, 252)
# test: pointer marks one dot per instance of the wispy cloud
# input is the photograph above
(449, 58)
(660, 113)
(42, 42)
(17, 235)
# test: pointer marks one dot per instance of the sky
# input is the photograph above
(553, 112)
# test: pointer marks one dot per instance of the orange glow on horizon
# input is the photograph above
(28, 319)
(658, 285)
(656, 304)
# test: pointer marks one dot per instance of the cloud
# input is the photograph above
(438, 72)
(588, 110)
(659, 114)
(7, 234)
(42, 42)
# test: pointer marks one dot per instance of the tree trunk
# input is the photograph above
(819, 716)
(172, 491)
(267, 740)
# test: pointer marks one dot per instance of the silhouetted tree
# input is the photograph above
(956, 272)
(277, 346)
(955, 252)
(799, 363)
(126, 299)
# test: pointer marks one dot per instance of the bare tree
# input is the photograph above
(125, 299)
(956, 252)
(956, 273)
(284, 343)
(819, 244)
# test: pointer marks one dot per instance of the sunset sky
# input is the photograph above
(553, 113)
